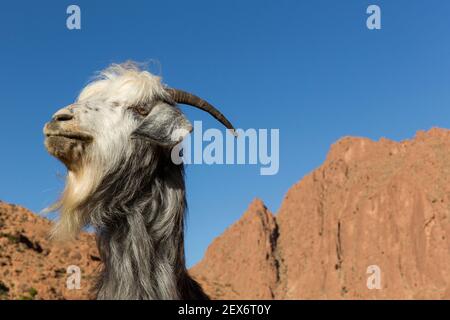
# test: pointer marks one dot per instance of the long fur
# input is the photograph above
(138, 211)
(132, 193)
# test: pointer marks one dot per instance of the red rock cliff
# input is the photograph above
(371, 203)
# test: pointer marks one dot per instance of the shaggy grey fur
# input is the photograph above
(138, 212)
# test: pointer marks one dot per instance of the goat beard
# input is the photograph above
(76, 201)
(84, 176)
(73, 218)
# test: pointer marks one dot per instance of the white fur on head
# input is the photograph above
(125, 84)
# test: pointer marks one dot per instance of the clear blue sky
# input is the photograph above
(310, 68)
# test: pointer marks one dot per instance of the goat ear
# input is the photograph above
(164, 125)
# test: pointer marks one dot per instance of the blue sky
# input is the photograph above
(310, 68)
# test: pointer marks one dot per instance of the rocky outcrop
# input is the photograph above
(32, 267)
(382, 204)
(242, 262)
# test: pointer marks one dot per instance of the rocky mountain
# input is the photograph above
(373, 222)
(33, 267)
(243, 262)
(382, 206)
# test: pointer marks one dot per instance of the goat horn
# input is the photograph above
(184, 97)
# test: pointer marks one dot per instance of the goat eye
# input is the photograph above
(141, 110)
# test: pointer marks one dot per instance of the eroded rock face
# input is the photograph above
(241, 262)
(383, 204)
(32, 267)
(371, 203)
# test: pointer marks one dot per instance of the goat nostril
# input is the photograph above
(63, 117)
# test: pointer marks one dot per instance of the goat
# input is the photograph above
(116, 143)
